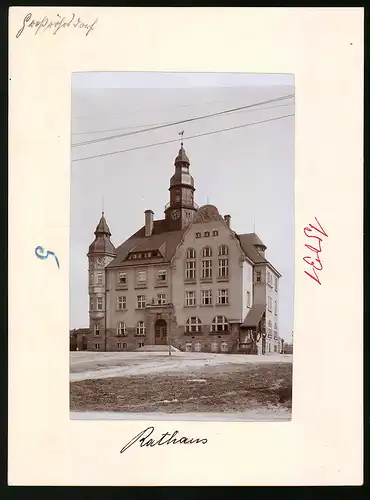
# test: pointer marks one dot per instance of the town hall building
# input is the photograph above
(187, 280)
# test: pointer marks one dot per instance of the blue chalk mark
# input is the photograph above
(41, 253)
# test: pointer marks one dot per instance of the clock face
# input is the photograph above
(175, 214)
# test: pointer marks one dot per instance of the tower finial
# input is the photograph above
(182, 137)
(102, 206)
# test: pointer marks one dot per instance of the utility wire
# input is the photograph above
(176, 140)
(162, 123)
(102, 139)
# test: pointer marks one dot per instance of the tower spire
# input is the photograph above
(182, 138)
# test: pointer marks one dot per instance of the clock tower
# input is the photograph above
(181, 208)
(101, 252)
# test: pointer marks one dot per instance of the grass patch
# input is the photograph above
(245, 387)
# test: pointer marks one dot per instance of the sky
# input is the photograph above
(247, 172)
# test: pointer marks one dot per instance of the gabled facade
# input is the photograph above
(188, 280)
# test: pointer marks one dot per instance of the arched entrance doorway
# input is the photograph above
(160, 331)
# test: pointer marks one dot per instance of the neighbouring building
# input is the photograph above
(187, 279)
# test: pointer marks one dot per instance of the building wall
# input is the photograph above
(234, 284)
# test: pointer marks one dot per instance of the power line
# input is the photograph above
(176, 140)
(102, 139)
(162, 123)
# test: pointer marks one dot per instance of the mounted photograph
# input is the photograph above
(182, 246)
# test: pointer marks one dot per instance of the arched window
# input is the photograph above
(207, 252)
(140, 328)
(269, 329)
(275, 331)
(223, 261)
(223, 250)
(190, 253)
(190, 264)
(207, 263)
(219, 324)
(121, 328)
(193, 325)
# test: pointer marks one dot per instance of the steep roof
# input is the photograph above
(254, 316)
(161, 239)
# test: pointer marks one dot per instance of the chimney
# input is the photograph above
(148, 222)
(227, 219)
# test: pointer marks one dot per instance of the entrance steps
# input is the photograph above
(156, 348)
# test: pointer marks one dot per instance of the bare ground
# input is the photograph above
(234, 388)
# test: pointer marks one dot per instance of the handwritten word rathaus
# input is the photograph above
(166, 438)
(315, 264)
(54, 26)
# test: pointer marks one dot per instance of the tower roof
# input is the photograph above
(102, 243)
(102, 227)
(182, 157)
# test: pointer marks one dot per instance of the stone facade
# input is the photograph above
(187, 280)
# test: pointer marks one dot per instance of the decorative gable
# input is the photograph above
(207, 213)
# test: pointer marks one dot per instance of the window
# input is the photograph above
(122, 278)
(96, 330)
(207, 252)
(275, 348)
(193, 325)
(224, 347)
(91, 304)
(219, 324)
(190, 253)
(258, 277)
(141, 276)
(206, 234)
(119, 345)
(248, 299)
(141, 302)
(99, 303)
(161, 298)
(198, 235)
(269, 347)
(269, 329)
(124, 345)
(190, 298)
(188, 347)
(97, 347)
(91, 278)
(269, 304)
(121, 303)
(177, 196)
(206, 269)
(197, 347)
(275, 331)
(223, 250)
(206, 297)
(214, 346)
(215, 233)
(276, 283)
(162, 275)
(140, 344)
(223, 296)
(99, 278)
(190, 265)
(121, 329)
(223, 268)
(140, 328)
(275, 308)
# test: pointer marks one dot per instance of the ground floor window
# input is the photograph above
(97, 347)
(224, 347)
(214, 346)
(188, 347)
(141, 344)
(275, 348)
(198, 346)
(269, 347)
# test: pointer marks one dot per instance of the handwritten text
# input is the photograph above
(166, 438)
(315, 264)
(46, 24)
(41, 253)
